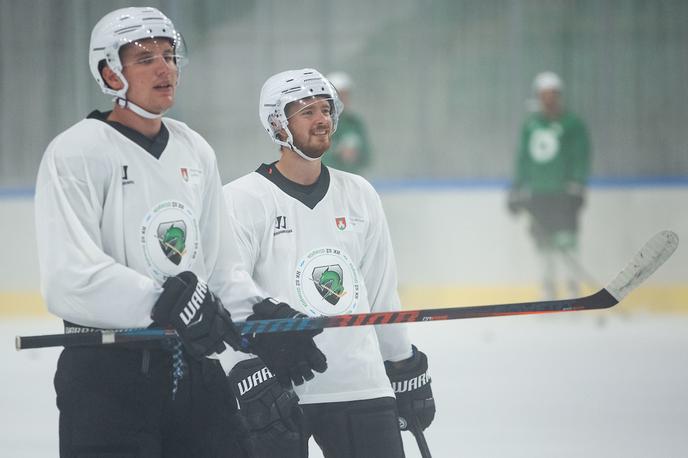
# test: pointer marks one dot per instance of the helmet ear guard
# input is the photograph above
(290, 86)
(275, 126)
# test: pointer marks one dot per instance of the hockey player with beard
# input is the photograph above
(132, 231)
(317, 238)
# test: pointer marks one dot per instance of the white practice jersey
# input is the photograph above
(325, 250)
(113, 221)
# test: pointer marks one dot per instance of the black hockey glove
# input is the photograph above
(200, 319)
(518, 200)
(411, 384)
(575, 193)
(271, 412)
(292, 356)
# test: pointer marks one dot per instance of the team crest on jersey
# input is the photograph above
(172, 238)
(169, 239)
(327, 282)
(351, 223)
(544, 143)
(191, 175)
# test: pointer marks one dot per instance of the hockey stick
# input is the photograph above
(420, 439)
(652, 255)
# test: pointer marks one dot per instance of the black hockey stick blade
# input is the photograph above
(650, 257)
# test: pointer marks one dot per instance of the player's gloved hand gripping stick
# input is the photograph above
(652, 255)
(411, 383)
(201, 321)
(415, 402)
(204, 325)
(291, 356)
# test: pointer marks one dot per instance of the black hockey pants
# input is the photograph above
(355, 429)
(117, 403)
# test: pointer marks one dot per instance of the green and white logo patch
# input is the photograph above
(169, 239)
(172, 238)
(327, 282)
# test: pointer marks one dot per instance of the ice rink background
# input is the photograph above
(443, 86)
(586, 384)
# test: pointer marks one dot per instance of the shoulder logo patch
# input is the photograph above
(340, 222)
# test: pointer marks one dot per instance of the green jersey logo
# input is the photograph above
(329, 281)
(172, 238)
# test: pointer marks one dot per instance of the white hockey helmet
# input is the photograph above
(341, 81)
(122, 27)
(289, 86)
(547, 81)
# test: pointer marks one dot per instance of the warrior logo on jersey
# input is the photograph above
(340, 222)
(281, 226)
(172, 238)
(169, 239)
(125, 175)
(327, 282)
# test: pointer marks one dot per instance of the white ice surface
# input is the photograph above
(588, 384)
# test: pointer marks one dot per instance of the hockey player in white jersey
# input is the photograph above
(131, 232)
(317, 238)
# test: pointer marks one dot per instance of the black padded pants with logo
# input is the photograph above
(355, 429)
(117, 403)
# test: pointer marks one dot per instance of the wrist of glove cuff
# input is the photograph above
(412, 387)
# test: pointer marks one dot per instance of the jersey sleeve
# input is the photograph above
(380, 275)
(580, 167)
(231, 277)
(80, 282)
(242, 215)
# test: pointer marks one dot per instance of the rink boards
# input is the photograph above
(455, 245)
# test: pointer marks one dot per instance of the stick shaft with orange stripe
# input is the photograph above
(653, 254)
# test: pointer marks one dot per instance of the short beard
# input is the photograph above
(314, 153)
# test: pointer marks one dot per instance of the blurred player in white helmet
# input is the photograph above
(132, 232)
(350, 148)
(552, 169)
(318, 239)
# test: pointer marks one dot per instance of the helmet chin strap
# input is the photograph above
(300, 153)
(124, 103)
(289, 143)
